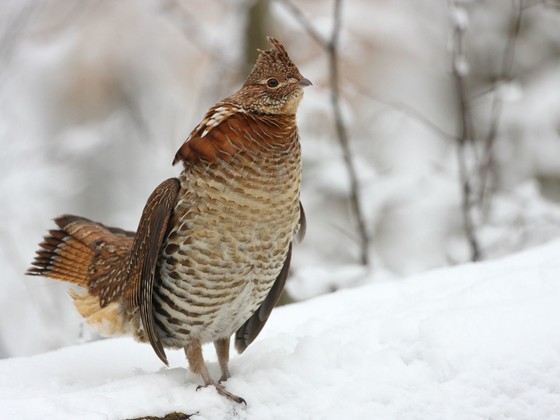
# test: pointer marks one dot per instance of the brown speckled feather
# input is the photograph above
(227, 129)
(85, 253)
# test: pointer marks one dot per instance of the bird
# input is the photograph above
(211, 254)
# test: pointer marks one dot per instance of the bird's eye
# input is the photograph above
(272, 82)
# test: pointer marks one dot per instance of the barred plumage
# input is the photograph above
(260, 217)
(213, 247)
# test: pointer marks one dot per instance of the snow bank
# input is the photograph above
(480, 341)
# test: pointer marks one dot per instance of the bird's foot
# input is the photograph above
(223, 391)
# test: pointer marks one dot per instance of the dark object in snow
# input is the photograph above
(175, 415)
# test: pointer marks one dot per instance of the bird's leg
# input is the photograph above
(197, 365)
(222, 349)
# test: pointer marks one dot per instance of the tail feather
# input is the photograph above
(94, 257)
(85, 253)
(63, 258)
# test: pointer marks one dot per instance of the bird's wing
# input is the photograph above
(253, 326)
(302, 228)
(144, 256)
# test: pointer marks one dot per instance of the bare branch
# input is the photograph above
(497, 103)
(331, 48)
(342, 134)
(195, 33)
(305, 23)
(405, 109)
(466, 133)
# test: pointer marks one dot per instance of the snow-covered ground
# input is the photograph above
(479, 341)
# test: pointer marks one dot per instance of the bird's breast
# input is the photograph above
(231, 229)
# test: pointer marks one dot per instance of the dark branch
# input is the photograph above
(305, 23)
(342, 133)
(331, 48)
(465, 134)
(497, 102)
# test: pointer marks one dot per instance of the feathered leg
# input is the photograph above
(197, 365)
(222, 349)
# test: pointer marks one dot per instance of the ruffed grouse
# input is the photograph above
(212, 250)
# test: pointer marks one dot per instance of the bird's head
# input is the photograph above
(275, 85)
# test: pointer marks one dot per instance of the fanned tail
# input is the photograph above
(62, 255)
(83, 252)
(92, 256)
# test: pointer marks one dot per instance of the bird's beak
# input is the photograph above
(303, 82)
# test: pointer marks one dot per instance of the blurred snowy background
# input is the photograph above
(452, 110)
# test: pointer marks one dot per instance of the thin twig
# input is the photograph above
(305, 23)
(497, 102)
(194, 32)
(331, 48)
(465, 131)
(405, 109)
(342, 134)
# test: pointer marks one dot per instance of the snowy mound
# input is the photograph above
(479, 341)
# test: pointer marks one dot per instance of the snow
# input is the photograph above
(478, 341)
